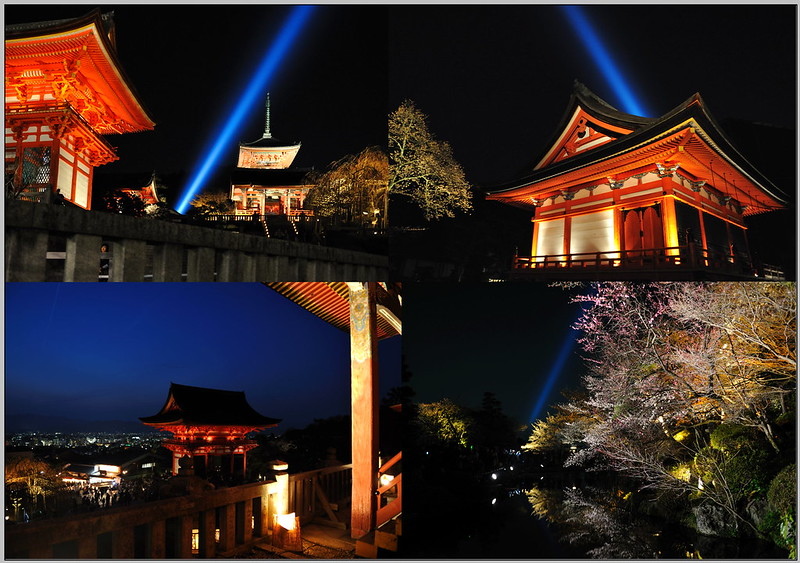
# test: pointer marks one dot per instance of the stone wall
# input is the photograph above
(45, 242)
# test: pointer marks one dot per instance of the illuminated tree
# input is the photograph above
(211, 203)
(445, 422)
(32, 478)
(353, 190)
(422, 169)
(677, 371)
(567, 425)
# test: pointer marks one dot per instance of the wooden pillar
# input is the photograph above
(158, 537)
(619, 231)
(364, 405)
(670, 219)
(82, 263)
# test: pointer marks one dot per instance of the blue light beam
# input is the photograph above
(555, 371)
(252, 94)
(583, 28)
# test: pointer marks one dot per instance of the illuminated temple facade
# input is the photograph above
(210, 426)
(630, 196)
(263, 182)
(65, 90)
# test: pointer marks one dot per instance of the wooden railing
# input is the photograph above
(207, 524)
(390, 495)
(213, 523)
(320, 493)
(675, 257)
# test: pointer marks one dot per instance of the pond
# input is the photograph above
(574, 515)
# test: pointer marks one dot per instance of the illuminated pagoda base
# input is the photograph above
(628, 197)
(210, 426)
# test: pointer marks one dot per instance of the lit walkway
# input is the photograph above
(319, 542)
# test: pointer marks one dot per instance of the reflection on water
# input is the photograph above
(604, 523)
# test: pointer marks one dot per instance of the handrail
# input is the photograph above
(671, 256)
(397, 457)
(393, 506)
(321, 471)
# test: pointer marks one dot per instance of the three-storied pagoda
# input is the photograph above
(210, 426)
(631, 196)
(263, 182)
(65, 89)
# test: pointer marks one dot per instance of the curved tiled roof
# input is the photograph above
(691, 113)
(200, 406)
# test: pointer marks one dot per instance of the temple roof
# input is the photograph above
(618, 142)
(270, 176)
(330, 301)
(75, 59)
(200, 406)
(270, 142)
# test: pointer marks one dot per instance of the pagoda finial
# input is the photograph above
(267, 133)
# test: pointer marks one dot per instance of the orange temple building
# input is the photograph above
(631, 196)
(210, 426)
(147, 192)
(263, 182)
(65, 90)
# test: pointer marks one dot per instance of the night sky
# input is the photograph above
(110, 351)
(501, 338)
(190, 63)
(495, 80)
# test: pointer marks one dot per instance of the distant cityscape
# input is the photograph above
(84, 442)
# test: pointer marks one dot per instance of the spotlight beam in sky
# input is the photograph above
(253, 93)
(597, 50)
(555, 371)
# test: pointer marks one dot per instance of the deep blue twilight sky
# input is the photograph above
(110, 351)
